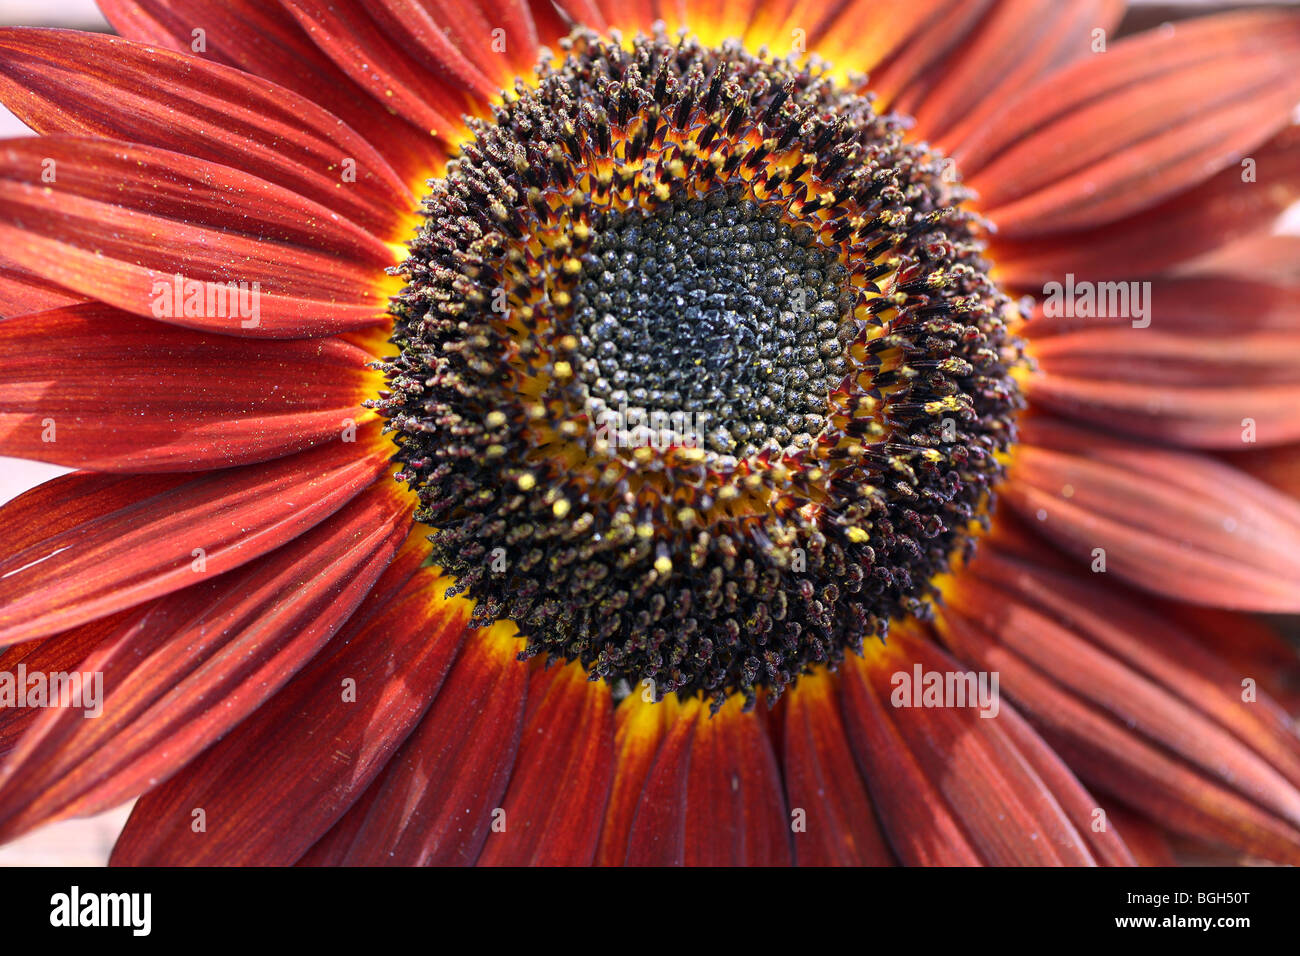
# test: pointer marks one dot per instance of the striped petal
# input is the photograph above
(430, 93)
(1222, 209)
(568, 735)
(67, 560)
(1265, 257)
(89, 84)
(1194, 304)
(276, 783)
(639, 729)
(23, 292)
(1096, 695)
(839, 826)
(713, 796)
(900, 43)
(55, 655)
(438, 799)
(1195, 391)
(1119, 131)
(658, 832)
(950, 787)
(89, 386)
(1017, 42)
(150, 232)
(1174, 523)
(464, 39)
(234, 641)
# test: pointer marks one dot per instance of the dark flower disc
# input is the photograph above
(701, 378)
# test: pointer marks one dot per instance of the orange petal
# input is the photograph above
(150, 536)
(277, 782)
(1117, 132)
(90, 84)
(568, 736)
(437, 800)
(136, 395)
(1178, 524)
(822, 780)
(234, 641)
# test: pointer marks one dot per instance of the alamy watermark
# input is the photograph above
(1098, 300)
(23, 688)
(191, 298)
(922, 688)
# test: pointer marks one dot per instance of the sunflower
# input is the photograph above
(562, 434)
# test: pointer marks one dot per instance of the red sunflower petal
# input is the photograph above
(713, 796)
(1221, 209)
(262, 39)
(107, 229)
(1278, 467)
(950, 786)
(1265, 257)
(568, 736)
(430, 93)
(1147, 841)
(1019, 41)
(735, 805)
(1250, 646)
(1194, 391)
(452, 37)
(899, 43)
(1204, 305)
(1080, 807)
(282, 778)
(54, 655)
(61, 81)
(822, 780)
(92, 387)
(1097, 714)
(23, 292)
(658, 833)
(141, 537)
(438, 799)
(639, 729)
(1119, 131)
(178, 187)
(1179, 524)
(236, 640)
(1104, 646)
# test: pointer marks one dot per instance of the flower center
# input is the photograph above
(701, 379)
(713, 313)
